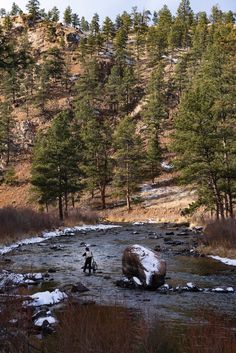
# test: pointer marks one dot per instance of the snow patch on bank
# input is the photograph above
(225, 260)
(15, 279)
(50, 319)
(56, 233)
(47, 298)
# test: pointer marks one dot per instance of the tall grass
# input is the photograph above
(77, 216)
(87, 329)
(15, 325)
(113, 329)
(212, 334)
(17, 222)
(221, 233)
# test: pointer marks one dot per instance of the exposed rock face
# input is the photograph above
(145, 265)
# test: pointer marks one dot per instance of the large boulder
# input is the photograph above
(142, 263)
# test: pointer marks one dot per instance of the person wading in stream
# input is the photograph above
(88, 259)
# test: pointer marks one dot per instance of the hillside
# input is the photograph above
(98, 77)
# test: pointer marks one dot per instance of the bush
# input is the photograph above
(221, 233)
(15, 222)
(77, 216)
(100, 329)
(212, 333)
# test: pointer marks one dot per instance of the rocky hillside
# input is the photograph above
(124, 78)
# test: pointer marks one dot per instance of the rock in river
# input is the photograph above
(144, 264)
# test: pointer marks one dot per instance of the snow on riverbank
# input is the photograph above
(47, 298)
(225, 260)
(56, 233)
(8, 278)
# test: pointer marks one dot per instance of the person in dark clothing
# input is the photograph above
(88, 259)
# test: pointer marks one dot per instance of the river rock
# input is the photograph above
(145, 265)
(79, 287)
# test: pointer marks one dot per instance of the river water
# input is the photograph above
(63, 256)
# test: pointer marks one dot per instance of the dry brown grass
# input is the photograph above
(214, 334)
(17, 223)
(86, 329)
(221, 233)
(15, 325)
(79, 216)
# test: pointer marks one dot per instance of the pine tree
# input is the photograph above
(205, 134)
(67, 17)
(84, 25)
(6, 131)
(94, 25)
(128, 89)
(155, 112)
(200, 35)
(120, 46)
(125, 22)
(108, 30)
(33, 8)
(2, 12)
(128, 159)
(15, 10)
(183, 23)
(113, 91)
(55, 14)
(96, 138)
(75, 21)
(55, 169)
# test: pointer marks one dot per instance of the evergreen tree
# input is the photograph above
(120, 46)
(55, 169)
(204, 137)
(200, 34)
(113, 91)
(96, 138)
(128, 89)
(108, 29)
(15, 10)
(216, 15)
(6, 131)
(2, 12)
(33, 7)
(157, 37)
(155, 112)
(89, 84)
(55, 14)
(75, 21)
(125, 22)
(94, 25)
(8, 23)
(128, 159)
(84, 25)
(67, 17)
(183, 23)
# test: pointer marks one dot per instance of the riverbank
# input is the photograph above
(16, 224)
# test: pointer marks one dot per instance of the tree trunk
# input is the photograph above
(73, 200)
(103, 196)
(60, 208)
(128, 201)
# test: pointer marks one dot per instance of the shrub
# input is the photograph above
(77, 216)
(212, 333)
(100, 329)
(15, 222)
(221, 233)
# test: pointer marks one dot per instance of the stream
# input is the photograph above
(62, 257)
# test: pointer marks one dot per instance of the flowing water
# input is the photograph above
(64, 256)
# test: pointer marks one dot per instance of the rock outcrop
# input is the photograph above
(143, 264)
